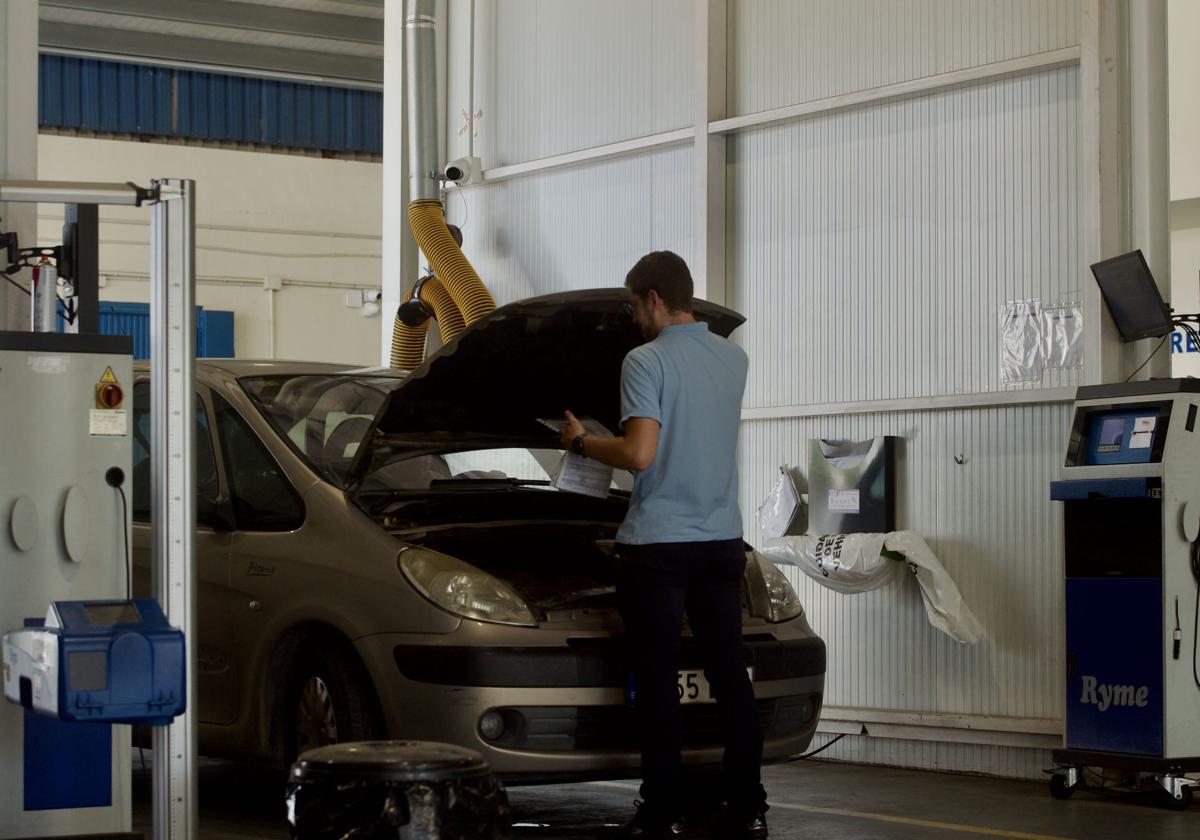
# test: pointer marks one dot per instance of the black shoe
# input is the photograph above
(647, 825)
(753, 827)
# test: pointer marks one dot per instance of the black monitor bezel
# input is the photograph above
(1157, 331)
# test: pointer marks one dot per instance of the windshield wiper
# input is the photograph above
(485, 483)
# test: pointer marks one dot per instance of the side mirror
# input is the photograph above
(213, 514)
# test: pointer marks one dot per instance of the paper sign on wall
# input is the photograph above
(843, 501)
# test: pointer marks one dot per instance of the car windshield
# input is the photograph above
(325, 418)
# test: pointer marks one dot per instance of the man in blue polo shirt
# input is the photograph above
(680, 546)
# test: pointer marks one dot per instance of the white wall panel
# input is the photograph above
(784, 52)
(1009, 762)
(305, 220)
(576, 228)
(991, 523)
(572, 74)
(872, 249)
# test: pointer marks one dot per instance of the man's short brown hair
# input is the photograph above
(666, 273)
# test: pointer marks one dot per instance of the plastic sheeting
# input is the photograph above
(854, 563)
(780, 513)
(1062, 335)
(1020, 342)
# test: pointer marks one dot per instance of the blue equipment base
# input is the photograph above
(1127, 761)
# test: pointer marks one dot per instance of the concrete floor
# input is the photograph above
(810, 800)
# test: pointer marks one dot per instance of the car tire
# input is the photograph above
(328, 701)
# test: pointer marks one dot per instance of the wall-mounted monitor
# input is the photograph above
(1132, 297)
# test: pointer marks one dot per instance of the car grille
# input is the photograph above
(602, 728)
(588, 662)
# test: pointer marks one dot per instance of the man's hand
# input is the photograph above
(572, 430)
(635, 450)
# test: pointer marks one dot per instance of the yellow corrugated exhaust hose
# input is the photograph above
(448, 261)
(408, 344)
(450, 321)
(412, 323)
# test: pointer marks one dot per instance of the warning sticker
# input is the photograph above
(108, 391)
(108, 423)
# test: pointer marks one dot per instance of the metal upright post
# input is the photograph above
(173, 511)
(81, 233)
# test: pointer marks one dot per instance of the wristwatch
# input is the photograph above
(577, 444)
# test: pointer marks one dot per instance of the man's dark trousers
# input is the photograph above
(656, 584)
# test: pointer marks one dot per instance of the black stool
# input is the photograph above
(398, 790)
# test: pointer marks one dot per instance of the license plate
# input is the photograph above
(692, 687)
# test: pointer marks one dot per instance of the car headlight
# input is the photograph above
(782, 602)
(464, 590)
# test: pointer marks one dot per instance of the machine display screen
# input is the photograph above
(106, 615)
(1122, 437)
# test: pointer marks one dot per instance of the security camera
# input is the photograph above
(461, 171)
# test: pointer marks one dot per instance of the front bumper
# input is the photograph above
(563, 705)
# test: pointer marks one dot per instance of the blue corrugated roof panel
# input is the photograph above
(72, 79)
(90, 94)
(125, 98)
(127, 101)
(110, 106)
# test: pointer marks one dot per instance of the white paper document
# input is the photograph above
(577, 474)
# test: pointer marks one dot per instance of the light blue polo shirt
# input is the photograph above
(691, 382)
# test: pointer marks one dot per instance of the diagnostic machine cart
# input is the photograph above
(1130, 490)
(98, 661)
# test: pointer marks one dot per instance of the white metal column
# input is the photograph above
(173, 510)
(709, 186)
(1150, 165)
(1103, 174)
(18, 134)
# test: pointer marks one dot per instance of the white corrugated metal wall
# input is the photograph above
(576, 228)
(871, 247)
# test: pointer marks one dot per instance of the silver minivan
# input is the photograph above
(383, 553)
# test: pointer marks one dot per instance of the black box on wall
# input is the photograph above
(852, 486)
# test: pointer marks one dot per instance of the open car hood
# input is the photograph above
(533, 358)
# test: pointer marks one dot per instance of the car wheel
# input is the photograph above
(328, 701)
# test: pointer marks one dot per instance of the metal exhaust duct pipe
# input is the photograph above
(457, 297)
(420, 58)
